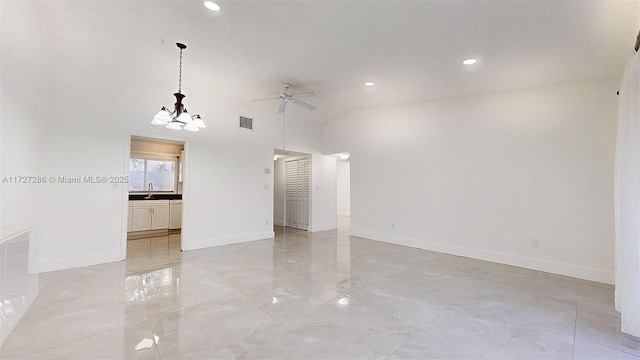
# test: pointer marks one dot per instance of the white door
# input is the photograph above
(297, 183)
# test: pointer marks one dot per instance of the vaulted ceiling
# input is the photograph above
(411, 50)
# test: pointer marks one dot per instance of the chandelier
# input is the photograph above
(179, 118)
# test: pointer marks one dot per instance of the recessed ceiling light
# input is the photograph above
(369, 83)
(212, 6)
(470, 61)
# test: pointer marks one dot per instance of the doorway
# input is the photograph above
(343, 192)
(292, 190)
(154, 203)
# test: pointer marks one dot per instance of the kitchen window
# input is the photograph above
(161, 173)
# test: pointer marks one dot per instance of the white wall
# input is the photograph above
(482, 176)
(278, 192)
(343, 188)
(22, 115)
(104, 94)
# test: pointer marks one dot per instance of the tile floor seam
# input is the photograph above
(153, 333)
(609, 347)
(277, 323)
(575, 322)
(74, 341)
(307, 311)
(305, 344)
(421, 329)
(434, 319)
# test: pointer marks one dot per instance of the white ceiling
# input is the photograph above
(411, 50)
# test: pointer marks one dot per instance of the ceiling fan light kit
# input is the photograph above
(178, 119)
(286, 97)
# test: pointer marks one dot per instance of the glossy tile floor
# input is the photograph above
(315, 296)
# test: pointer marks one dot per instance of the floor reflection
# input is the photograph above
(154, 284)
(320, 295)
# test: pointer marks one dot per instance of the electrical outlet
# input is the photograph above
(535, 243)
(393, 225)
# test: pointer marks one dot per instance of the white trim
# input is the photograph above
(324, 227)
(226, 240)
(278, 222)
(576, 271)
(81, 261)
(344, 213)
(153, 156)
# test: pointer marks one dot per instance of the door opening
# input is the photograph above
(156, 170)
(292, 190)
(343, 192)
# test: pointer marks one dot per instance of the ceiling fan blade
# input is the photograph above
(304, 94)
(282, 106)
(265, 99)
(304, 104)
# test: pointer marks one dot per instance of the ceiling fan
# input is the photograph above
(286, 96)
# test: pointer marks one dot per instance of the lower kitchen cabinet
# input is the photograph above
(148, 215)
(130, 219)
(160, 217)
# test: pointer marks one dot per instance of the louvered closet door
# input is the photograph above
(303, 193)
(297, 193)
(291, 168)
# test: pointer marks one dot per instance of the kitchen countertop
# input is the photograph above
(156, 197)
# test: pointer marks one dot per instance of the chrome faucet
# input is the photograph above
(150, 188)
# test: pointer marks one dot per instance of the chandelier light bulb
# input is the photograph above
(191, 127)
(162, 117)
(174, 125)
(197, 121)
(157, 120)
(185, 118)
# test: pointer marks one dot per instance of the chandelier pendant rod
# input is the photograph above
(179, 108)
(180, 117)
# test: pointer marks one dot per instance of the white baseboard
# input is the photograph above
(576, 271)
(226, 240)
(325, 227)
(76, 262)
(278, 222)
(344, 213)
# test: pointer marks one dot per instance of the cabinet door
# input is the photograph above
(175, 216)
(130, 219)
(160, 217)
(141, 218)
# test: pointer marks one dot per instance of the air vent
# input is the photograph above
(246, 123)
